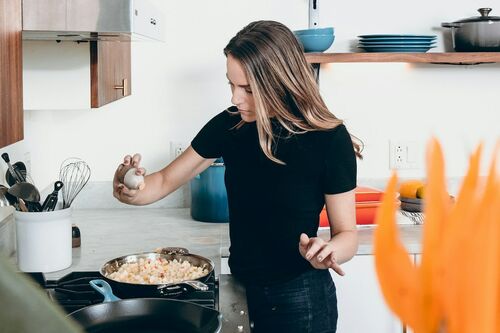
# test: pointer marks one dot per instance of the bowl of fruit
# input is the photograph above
(411, 194)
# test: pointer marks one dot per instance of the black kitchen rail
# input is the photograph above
(73, 291)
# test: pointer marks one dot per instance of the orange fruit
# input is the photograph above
(421, 192)
(408, 188)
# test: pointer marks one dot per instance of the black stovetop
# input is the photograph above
(74, 292)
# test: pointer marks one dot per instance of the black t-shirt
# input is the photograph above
(271, 204)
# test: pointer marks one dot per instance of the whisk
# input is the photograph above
(74, 173)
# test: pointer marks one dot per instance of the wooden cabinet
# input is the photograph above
(110, 70)
(11, 87)
(75, 76)
(361, 305)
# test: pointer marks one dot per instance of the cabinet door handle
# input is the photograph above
(123, 87)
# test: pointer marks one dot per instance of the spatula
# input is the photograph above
(20, 169)
(15, 172)
(51, 200)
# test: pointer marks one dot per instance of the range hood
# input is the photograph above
(91, 20)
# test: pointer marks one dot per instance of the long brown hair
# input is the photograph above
(282, 83)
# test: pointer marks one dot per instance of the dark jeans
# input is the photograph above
(308, 303)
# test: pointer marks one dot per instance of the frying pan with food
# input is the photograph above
(135, 290)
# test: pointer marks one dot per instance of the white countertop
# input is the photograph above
(410, 236)
(111, 233)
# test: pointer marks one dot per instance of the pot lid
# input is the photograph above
(483, 18)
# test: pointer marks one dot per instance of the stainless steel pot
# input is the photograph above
(476, 34)
(135, 290)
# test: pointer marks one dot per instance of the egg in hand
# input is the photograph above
(132, 180)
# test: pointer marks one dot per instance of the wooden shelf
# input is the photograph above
(457, 58)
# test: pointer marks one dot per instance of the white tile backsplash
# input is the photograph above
(99, 195)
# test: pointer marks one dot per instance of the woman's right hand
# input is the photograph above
(120, 191)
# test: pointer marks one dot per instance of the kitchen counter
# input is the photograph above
(111, 233)
(411, 235)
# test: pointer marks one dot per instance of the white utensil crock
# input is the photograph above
(43, 240)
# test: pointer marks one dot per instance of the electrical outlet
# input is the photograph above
(177, 148)
(404, 155)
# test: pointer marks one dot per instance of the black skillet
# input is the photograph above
(145, 315)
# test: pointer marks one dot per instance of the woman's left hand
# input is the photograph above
(319, 253)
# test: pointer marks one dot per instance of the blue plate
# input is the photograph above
(397, 49)
(396, 46)
(398, 36)
(398, 42)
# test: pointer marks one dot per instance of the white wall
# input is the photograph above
(178, 85)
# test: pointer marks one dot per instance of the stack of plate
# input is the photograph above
(396, 43)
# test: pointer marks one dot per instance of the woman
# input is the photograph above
(286, 156)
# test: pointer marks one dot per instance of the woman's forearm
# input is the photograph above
(153, 191)
(345, 244)
(161, 183)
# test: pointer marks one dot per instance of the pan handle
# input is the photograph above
(168, 288)
(172, 250)
(103, 288)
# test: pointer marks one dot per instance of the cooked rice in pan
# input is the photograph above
(157, 271)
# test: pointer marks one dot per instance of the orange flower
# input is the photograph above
(456, 287)
(397, 275)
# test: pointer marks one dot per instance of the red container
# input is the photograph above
(368, 199)
(366, 193)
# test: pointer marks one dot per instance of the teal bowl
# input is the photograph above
(316, 43)
(317, 31)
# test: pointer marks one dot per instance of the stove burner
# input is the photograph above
(74, 292)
